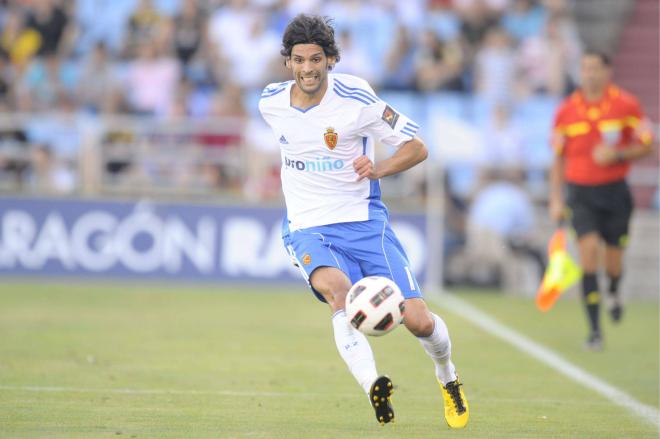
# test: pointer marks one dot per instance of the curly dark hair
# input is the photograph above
(310, 29)
(604, 57)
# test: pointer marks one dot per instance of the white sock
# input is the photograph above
(438, 346)
(355, 350)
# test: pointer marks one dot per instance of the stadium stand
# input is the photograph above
(151, 98)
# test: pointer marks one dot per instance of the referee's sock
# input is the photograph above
(615, 303)
(614, 285)
(591, 296)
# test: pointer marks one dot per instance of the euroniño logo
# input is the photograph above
(324, 164)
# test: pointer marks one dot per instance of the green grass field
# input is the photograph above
(233, 362)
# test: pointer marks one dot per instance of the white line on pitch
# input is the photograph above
(547, 357)
(128, 391)
(192, 392)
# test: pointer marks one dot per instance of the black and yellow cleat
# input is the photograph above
(379, 395)
(457, 411)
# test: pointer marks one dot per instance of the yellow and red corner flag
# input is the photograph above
(562, 272)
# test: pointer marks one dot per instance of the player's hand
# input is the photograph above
(557, 209)
(604, 155)
(365, 168)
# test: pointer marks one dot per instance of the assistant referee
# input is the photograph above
(598, 131)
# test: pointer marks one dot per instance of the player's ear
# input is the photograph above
(331, 62)
(287, 62)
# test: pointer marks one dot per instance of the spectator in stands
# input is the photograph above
(20, 43)
(251, 72)
(50, 20)
(228, 109)
(98, 87)
(354, 60)
(569, 36)
(48, 174)
(441, 17)
(102, 21)
(14, 152)
(146, 24)
(546, 60)
(500, 224)
(399, 63)
(503, 144)
(524, 19)
(476, 19)
(46, 80)
(152, 80)
(438, 64)
(189, 31)
(229, 28)
(6, 81)
(495, 67)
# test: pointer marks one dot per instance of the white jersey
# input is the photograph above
(320, 143)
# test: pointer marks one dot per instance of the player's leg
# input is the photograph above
(588, 247)
(586, 222)
(614, 270)
(382, 254)
(327, 272)
(330, 274)
(433, 334)
(619, 205)
(353, 347)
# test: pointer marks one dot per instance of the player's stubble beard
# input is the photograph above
(313, 87)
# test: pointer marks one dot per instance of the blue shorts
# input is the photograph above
(359, 249)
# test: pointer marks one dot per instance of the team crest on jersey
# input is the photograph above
(307, 259)
(390, 116)
(330, 138)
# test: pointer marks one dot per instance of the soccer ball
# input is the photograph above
(375, 305)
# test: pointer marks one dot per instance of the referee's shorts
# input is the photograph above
(605, 209)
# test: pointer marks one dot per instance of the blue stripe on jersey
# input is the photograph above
(411, 125)
(356, 92)
(408, 131)
(357, 98)
(275, 87)
(272, 93)
(348, 89)
(377, 209)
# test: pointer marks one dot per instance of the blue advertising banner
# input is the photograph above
(158, 240)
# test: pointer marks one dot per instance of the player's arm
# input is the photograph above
(641, 145)
(557, 206)
(606, 155)
(408, 155)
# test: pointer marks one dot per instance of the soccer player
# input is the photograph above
(336, 227)
(598, 131)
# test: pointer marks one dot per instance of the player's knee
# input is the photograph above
(339, 298)
(336, 297)
(421, 325)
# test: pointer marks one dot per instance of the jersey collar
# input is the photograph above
(323, 99)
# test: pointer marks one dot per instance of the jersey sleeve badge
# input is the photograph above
(390, 116)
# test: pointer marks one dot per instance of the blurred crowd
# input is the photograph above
(480, 76)
(198, 57)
